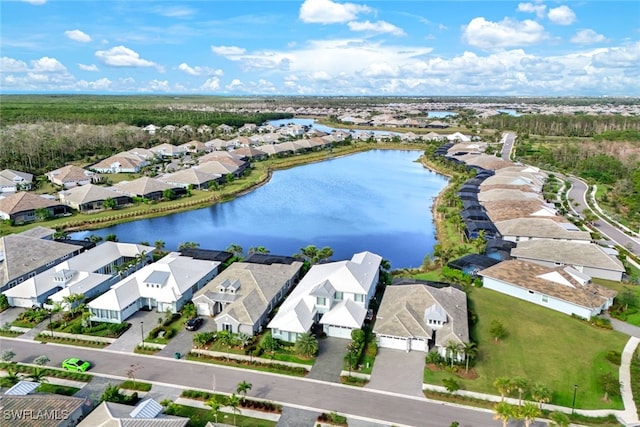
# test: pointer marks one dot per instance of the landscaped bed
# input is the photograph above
(71, 341)
(49, 372)
(200, 417)
(248, 364)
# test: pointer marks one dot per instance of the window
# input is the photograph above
(359, 297)
(275, 331)
(227, 327)
(545, 298)
(337, 296)
(321, 301)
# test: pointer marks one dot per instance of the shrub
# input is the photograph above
(614, 357)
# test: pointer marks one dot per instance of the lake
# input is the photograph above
(379, 201)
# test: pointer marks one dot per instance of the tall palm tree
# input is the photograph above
(503, 385)
(159, 245)
(529, 412)
(521, 385)
(243, 388)
(452, 348)
(234, 403)
(541, 394)
(215, 407)
(38, 375)
(504, 412)
(236, 250)
(470, 350)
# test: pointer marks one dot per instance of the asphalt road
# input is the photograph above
(508, 139)
(291, 391)
(578, 193)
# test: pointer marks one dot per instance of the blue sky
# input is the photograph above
(321, 47)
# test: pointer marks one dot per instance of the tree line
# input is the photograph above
(575, 125)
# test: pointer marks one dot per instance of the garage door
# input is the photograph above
(392, 342)
(203, 309)
(418, 344)
(334, 331)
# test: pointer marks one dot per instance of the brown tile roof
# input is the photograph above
(501, 210)
(49, 410)
(541, 228)
(22, 201)
(526, 275)
(69, 173)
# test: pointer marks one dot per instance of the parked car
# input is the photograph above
(194, 324)
(75, 364)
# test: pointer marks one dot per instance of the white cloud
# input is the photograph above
(121, 56)
(174, 12)
(100, 84)
(587, 36)
(376, 27)
(92, 67)
(537, 8)
(227, 50)
(562, 15)
(329, 12)
(35, 2)
(78, 36)
(199, 71)
(157, 86)
(211, 85)
(506, 33)
(625, 57)
(235, 84)
(10, 65)
(47, 65)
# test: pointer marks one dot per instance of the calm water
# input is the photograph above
(378, 201)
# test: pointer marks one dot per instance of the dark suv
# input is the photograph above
(194, 324)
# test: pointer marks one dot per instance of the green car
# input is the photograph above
(75, 364)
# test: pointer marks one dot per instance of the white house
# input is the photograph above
(589, 258)
(12, 181)
(242, 296)
(335, 295)
(165, 285)
(418, 316)
(563, 289)
(89, 273)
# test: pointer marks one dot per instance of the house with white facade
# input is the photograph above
(165, 285)
(563, 289)
(90, 273)
(13, 180)
(589, 258)
(72, 176)
(335, 295)
(242, 296)
(420, 316)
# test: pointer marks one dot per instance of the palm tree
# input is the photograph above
(470, 350)
(258, 250)
(306, 345)
(225, 339)
(541, 394)
(504, 386)
(215, 407)
(38, 375)
(234, 403)
(529, 411)
(452, 348)
(159, 245)
(236, 250)
(243, 388)
(520, 384)
(504, 412)
(73, 303)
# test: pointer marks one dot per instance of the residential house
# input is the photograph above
(92, 197)
(90, 273)
(250, 153)
(22, 207)
(520, 229)
(168, 150)
(242, 296)
(422, 315)
(147, 413)
(165, 285)
(194, 147)
(22, 257)
(335, 295)
(248, 128)
(563, 289)
(589, 258)
(127, 162)
(43, 409)
(204, 129)
(501, 210)
(13, 180)
(72, 176)
(224, 128)
(151, 129)
(508, 194)
(192, 177)
(148, 188)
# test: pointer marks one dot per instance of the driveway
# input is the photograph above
(133, 336)
(330, 359)
(10, 314)
(183, 341)
(398, 371)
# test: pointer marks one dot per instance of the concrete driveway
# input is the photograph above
(133, 336)
(398, 371)
(183, 341)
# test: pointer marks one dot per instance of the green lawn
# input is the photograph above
(542, 345)
(57, 389)
(200, 417)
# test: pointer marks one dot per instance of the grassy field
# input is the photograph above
(543, 346)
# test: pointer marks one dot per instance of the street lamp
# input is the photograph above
(573, 405)
(51, 322)
(142, 331)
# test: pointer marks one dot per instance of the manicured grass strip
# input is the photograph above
(57, 389)
(50, 372)
(246, 364)
(283, 357)
(608, 421)
(10, 333)
(200, 417)
(135, 385)
(542, 345)
(147, 349)
(71, 341)
(635, 378)
(355, 381)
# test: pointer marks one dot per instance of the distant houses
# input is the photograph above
(23, 207)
